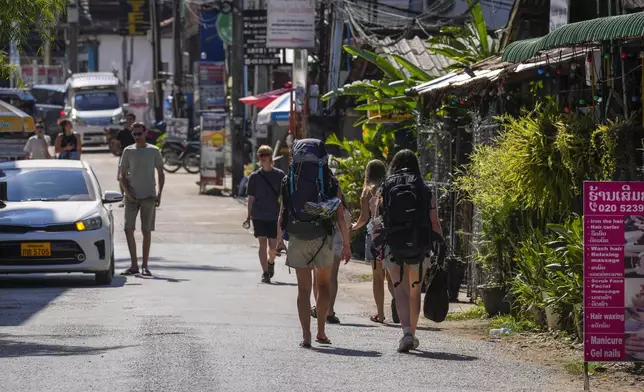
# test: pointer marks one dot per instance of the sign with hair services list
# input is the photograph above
(613, 271)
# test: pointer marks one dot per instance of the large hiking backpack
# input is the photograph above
(405, 211)
(310, 183)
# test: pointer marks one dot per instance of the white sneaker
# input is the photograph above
(406, 343)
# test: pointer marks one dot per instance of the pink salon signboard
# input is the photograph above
(614, 271)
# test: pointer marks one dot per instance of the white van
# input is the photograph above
(94, 101)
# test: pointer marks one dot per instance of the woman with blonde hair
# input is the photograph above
(375, 174)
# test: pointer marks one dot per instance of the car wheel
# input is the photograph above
(105, 277)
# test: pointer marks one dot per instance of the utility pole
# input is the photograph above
(72, 36)
(156, 61)
(237, 68)
(177, 73)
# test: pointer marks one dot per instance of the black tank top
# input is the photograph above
(68, 140)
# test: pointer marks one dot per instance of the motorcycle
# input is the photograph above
(179, 153)
(153, 134)
(111, 134)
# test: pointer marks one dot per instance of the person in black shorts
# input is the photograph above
(264, 187)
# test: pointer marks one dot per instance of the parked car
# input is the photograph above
(54, 218)
(50, 106)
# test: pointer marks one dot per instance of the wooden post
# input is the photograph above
(586, 377)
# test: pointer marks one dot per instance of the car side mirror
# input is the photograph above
(112, 197)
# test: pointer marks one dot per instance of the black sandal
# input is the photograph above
(305, 344)
(324, 340)
(333, 319)
(146, 272)
(129, 272)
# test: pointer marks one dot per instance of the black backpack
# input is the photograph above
(405, 211)
(309, 181)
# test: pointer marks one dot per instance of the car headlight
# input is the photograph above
(93, 223)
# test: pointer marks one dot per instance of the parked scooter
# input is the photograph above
(179, 153)
(153, 134)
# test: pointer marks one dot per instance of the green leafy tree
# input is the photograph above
(465, 45)
(388, 109)
(19, 17)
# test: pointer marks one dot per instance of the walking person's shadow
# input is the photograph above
(347, 352)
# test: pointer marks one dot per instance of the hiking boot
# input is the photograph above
(416, 343)
(406, 343)
(266, 278)
(394, 311)
(271, 269)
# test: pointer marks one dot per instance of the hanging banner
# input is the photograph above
(135, 17)
(213, 141)
(290, 24)
(613, 271)
(558, 14)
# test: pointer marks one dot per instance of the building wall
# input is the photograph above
(110, 56)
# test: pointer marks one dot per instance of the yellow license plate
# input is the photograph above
(35, 249)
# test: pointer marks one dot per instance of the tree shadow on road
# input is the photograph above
(11, 348)
(22, 296)
(55, 281)
(442, 356)
(347, 352)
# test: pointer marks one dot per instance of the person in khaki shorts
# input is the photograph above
(138, 163)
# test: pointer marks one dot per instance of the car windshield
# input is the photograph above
(48, 96)
(47, 184)
(96, 100)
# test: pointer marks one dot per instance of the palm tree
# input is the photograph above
(465, 45)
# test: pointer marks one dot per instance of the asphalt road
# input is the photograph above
(204, 322)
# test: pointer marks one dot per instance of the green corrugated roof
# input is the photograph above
(600, 29)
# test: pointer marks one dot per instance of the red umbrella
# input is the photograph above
(262, 100)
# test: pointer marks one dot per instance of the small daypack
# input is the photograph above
(405, 211)
(311, 189)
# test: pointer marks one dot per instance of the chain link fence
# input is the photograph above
(443, 148)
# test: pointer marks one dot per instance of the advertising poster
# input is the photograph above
(558, 14)
(213, 142)
(177, 128)
(210, 91)
(613, 271)
(290, 24)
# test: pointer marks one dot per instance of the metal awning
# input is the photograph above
(585, 32)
